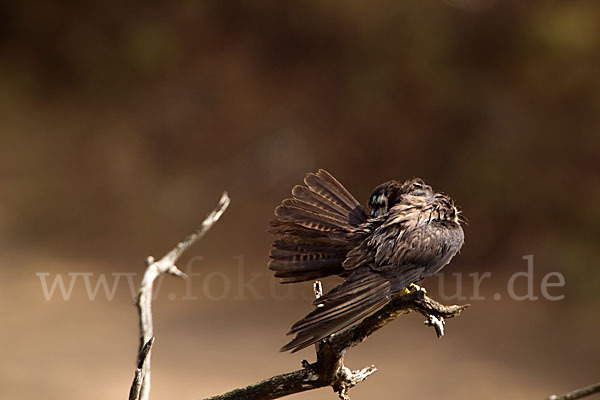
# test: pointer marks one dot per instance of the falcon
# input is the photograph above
(408, 232)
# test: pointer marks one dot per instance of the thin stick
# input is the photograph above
(165, 265)
(577, 394)
(138, 379)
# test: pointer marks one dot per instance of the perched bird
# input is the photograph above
(409, 232)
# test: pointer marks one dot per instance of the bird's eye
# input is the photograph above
(378, 204)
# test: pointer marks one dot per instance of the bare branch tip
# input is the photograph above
(577, 394)
(173, 270)
(224, 201)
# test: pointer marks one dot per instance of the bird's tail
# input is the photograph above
(312, 228)
(360, 295)
(364, 292)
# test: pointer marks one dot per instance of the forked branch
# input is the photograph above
(329, 369)
(140, 388)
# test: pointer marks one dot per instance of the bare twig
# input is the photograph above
(138, 379)
(329, 369)
(577, 394)
(165, 265)
(416, 301)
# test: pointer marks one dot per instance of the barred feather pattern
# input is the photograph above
(313, 228)
(322, 230)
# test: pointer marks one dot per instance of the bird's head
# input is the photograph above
(388, 194)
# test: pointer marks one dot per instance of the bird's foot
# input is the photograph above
(412, 288)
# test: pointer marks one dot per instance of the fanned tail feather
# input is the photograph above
(312, 227)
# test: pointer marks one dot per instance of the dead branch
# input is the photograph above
(140, 388)
(138, 379)
(329, 369)
(577, 394)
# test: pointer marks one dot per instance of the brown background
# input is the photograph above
(122, 122)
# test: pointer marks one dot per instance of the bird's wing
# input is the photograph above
(406, 240)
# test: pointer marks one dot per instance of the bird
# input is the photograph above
(406, 233)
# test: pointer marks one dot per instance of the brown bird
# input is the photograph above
(410, 233)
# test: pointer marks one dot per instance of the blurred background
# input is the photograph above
(121, 123)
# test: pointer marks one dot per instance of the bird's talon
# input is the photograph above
(416, 288)
(411, 289)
